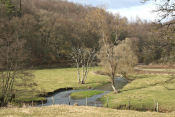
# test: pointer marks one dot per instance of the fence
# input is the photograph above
(156, 106)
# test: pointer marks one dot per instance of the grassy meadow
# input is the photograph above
(143, 92)
(76, 111)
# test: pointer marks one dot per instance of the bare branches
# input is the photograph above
(166, 9)
(117, 59)
(83, 58)
(12, 59)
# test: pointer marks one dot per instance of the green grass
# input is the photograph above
(165, 70)
(76, 111)
(140, 94)
(144, 92)
(84, 94)
(49, 80)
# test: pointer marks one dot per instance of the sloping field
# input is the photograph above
(144, 92)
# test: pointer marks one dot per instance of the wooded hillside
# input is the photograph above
(51, 29)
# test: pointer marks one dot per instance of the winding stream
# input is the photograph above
(63, 98)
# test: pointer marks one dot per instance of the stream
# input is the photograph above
(64, 96)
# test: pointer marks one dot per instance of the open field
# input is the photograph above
(157, 66)
(76, 111)
(143, 92)
(155, 69)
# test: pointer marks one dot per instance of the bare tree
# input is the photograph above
(12, 61)
(166, 9)
(117, 58)
(108, 59)
(83, 58)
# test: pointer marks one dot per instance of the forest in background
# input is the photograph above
(50, 30)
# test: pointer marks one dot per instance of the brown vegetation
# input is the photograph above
(77, 111)
(52, 28)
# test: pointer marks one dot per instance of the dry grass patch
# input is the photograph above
(76, 111)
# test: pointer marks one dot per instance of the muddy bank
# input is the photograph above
(43, 101)
(48, 94)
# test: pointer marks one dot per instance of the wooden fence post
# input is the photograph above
(107, 102)
(129, 103)
(157, 107)
(95, 104)
(32, 103)
(86, 101)
(69, 100)
(42, 102)
(53, 101)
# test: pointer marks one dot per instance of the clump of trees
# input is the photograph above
(83, 59)
(159, 45)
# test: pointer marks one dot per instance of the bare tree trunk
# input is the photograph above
(113, 84)
(20, 8)
(76, 55)
(113, 87)
(83, 59)
(83, 74)
(78, 73)
(85, 71)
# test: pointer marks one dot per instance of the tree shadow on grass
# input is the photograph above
(168, 81)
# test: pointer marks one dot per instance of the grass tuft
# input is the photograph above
(84, 94)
